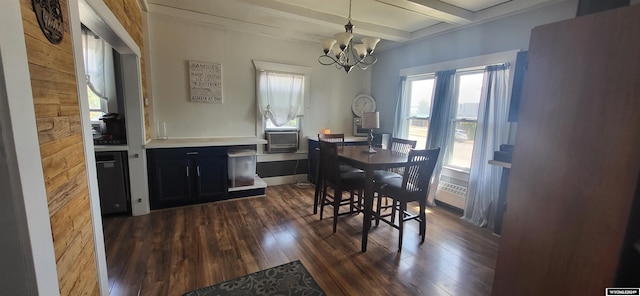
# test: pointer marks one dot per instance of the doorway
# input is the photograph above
(97, 17)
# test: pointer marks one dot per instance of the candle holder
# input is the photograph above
(370, 120)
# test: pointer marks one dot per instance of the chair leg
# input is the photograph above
(379, 209)
(323, 200)
(393, 211)
(337, 199)
(403, 208)
(352, 204)
(423, 221)
(316, 196)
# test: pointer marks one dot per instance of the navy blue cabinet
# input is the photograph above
(184, 176)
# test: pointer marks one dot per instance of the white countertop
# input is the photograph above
(203, 142)
(346, 139)
(109, 148)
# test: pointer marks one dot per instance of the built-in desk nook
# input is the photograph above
(191, 171)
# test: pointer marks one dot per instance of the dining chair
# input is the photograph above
(332, 138)
(339, 181)
(397, 145)
(412, 186)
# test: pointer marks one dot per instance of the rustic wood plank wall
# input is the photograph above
(55, 98)
(129, 15)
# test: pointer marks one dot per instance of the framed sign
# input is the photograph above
(49, 17)
(205, 82)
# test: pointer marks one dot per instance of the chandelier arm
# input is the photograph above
(333, 60)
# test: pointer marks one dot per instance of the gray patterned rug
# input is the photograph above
(290, 279)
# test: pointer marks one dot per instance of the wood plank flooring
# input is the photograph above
(173, 251)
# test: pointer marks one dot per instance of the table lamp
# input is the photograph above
(370, 120)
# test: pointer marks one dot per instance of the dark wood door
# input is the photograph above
(171, 182)
(576, 162)
(210, 178)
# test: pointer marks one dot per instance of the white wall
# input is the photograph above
(174, 41)
(496, 36)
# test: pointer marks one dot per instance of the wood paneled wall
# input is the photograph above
(129, 15)
(55, 97)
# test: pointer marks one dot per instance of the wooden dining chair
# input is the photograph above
(332, 138)
(340, 182)
(413, 186)
(398, 146)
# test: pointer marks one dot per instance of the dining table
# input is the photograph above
(360, 157)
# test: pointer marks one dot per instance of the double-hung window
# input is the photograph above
(417, 100)
(418, 95)
(459, 150)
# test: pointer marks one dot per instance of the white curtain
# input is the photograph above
(491, 131)
(94, 50)
(400, 128)
(281, 96)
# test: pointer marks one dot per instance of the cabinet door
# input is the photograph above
(171, 183)
(211, 178)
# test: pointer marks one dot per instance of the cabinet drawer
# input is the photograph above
(186, 152)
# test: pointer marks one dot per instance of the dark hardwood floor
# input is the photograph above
(173, 251)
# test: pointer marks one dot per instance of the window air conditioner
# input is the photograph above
(282, 141)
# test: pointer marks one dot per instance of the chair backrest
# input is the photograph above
(329, 163)
(333, 138)
(419, 168)
(402, 145)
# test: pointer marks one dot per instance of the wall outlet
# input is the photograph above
(146, 101)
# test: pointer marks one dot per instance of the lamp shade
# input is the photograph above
(327, 44)
(370, 43)
(343, 39)
(371, 120)
(361, 50)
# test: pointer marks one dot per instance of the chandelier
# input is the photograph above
(344, 53)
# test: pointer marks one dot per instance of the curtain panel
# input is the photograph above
(94, 51)
(281, 96)
(491, 131)
(400, 128)
(441, 126)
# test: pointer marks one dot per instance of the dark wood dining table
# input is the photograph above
(383, 159)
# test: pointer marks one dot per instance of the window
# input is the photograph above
(419, 91)
(96, 106)
(466, 119)
(418, 94)
(281, 97)
(281, 91)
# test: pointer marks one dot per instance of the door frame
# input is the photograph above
(19, 144)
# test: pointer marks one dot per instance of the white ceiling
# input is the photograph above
(394, 21)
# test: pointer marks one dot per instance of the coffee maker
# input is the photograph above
(112, 129)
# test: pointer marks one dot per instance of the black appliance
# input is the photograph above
(113, 183)
(112, 129)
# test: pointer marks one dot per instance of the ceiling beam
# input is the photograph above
(333, 21)
(434, 9)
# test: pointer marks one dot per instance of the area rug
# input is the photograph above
(290, 279)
